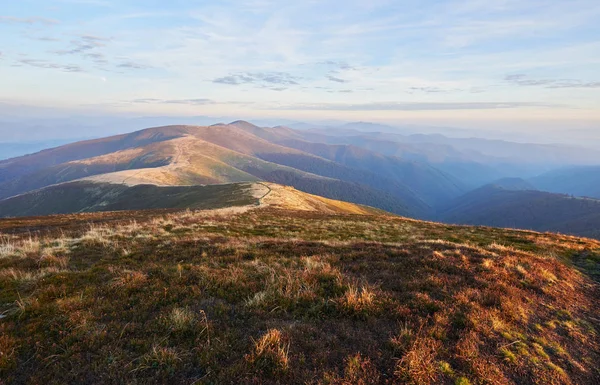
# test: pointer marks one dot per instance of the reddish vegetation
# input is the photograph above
(272, 296)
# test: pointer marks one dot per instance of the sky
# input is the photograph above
(501, 64)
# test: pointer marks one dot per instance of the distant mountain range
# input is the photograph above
(495, 206)
(577, 181)
(420, 176)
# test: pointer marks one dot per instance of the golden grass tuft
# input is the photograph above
(359, 299)
(130, 279)
(182, 319)
(359, 371)
(270, 355)
(419, 365)
(160, 358)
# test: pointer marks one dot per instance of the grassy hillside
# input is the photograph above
(289, 297)
(88, 197)
(83, 196)
(535, 210)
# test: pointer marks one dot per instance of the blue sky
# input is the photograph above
(477, 62)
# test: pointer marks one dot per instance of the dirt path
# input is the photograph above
(260, 200)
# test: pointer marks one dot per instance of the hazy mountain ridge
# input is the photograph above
(578, 181)
(495, 206)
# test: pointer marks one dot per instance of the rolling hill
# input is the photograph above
(495, 206)
(93, 196)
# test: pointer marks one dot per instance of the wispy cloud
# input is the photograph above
(100, 3)
(259, 78)
(49, 65)
(97, 58)
(193, 102)
(395, 106)
(44, 38)
(133, 65)
(523, 80)
(83, 44)
(189, 102)
(428, 90)
(336, 79)
(27, 20)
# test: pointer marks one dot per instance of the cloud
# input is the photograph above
(27, 20)
(133, 65)
(99, 3)
(88, 47)
(428, 90)
(95, 39)
(97, 58)
(189, 102)
(83, 44)
(395, 106)
(49, 65)
(335, 79)
(259, 78)
(193, 102)
(523, 80)
(340, 91)
(342, 65)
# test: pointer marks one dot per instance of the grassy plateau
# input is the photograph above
(274, 296)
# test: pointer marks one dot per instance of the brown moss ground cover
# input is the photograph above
(286, 297)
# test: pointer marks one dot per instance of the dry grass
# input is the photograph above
(130, 279)
(163, 359)
(270, 355)
(359, 300)
(182, 319)
(419, 364)
(293, 297)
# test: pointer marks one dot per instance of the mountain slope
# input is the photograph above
(432, 185)
(88, 196)
(83, 196)
(535, 210)
(15, 167)
(251, 140)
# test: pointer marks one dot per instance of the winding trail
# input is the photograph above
(260, 200)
